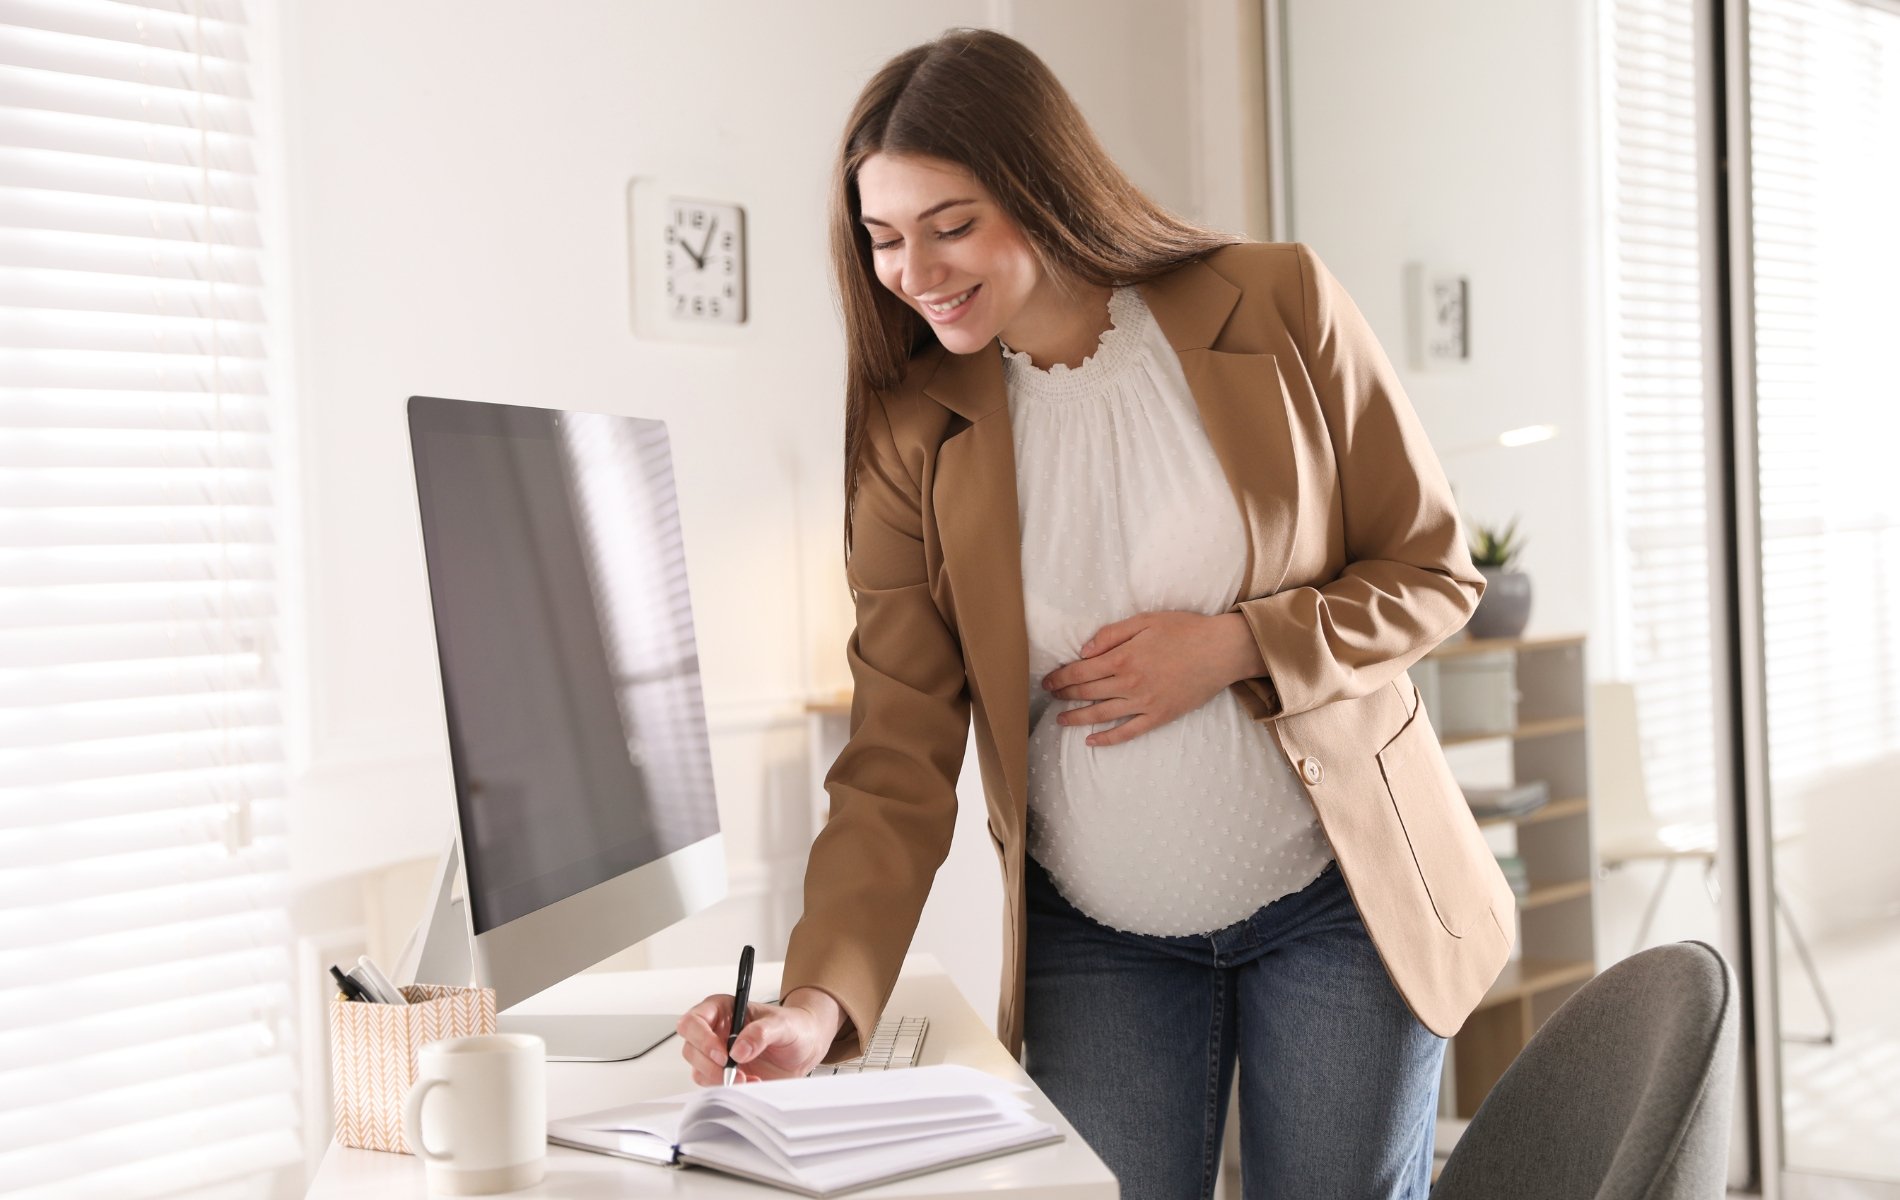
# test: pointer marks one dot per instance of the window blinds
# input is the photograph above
(144, 965)
(1825, 144)
(1824, 121)
(1659, 432)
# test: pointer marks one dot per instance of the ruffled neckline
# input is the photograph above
(1119, 345)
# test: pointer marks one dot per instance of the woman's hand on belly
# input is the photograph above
(1153, 668)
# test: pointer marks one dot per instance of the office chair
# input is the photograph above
(1624, 1094)
(1628, 829)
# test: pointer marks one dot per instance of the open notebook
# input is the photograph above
(823, 1135)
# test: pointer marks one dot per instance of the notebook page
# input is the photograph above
(663, 1119)
(796, 1149)
(854, 1169)
(838, 1104)
(939, 1081)
(908, 1149)
(657, 1118)
(855, 1117)
(918, 1086)
(644, 1146)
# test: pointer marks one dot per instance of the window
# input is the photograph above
(1823, 90)
(1660, 437)
(145, 1006)
(1825, 100)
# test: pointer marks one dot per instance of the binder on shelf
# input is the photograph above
(1512, 801)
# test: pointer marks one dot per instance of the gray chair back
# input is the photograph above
(1625, 1093)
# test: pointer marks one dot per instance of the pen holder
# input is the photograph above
(373, 1050)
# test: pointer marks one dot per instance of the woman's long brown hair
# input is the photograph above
(985, 102)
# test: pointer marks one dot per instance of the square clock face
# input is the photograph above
(705, 261)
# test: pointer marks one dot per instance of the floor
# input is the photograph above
(1841, 1103)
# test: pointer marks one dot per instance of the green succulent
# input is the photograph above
(1491, 547)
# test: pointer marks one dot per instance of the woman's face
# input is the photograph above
(936, 234)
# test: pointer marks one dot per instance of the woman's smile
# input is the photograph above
(944, 316)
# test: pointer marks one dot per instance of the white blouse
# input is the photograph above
(1193, 826)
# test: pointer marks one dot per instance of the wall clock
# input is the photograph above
(704, 245)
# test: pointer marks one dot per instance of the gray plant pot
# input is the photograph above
(1505, 607)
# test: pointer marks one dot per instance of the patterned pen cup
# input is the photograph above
(374, 1049)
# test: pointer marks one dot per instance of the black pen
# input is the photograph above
(739, 996)
(351, 989)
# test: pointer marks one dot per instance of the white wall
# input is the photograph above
(458, 183)
(1462, 135)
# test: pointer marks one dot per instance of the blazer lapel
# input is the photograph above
(1243, 408)
(977, 519)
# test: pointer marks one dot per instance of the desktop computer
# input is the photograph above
(585, 818)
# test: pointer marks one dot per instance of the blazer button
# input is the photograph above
(1310, 768)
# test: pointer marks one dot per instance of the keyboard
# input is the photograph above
(894, 1043)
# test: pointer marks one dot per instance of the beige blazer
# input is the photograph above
(1356, 568)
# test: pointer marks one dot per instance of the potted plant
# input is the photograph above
(1505, 607)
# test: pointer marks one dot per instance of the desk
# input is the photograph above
(1068, 1170)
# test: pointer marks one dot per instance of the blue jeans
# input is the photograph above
(1135, 1037)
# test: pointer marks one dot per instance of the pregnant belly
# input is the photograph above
(1201, 815)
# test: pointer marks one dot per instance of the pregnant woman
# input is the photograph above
(1149, 501)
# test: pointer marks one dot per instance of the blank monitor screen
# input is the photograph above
(564, 630)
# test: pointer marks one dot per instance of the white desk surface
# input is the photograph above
(1067, 1170)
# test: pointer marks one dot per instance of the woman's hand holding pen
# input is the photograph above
(1153, 668)
(776, 1041)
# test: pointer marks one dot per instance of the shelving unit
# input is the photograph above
(1532, 694)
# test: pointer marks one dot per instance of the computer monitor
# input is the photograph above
(585, 817)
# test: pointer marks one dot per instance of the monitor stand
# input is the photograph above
(439, 951)
(591, 1038)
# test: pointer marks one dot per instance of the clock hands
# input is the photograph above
(699, 259)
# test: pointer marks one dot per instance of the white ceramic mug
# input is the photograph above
(478, 1113)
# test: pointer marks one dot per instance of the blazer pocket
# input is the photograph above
(1447, 848)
